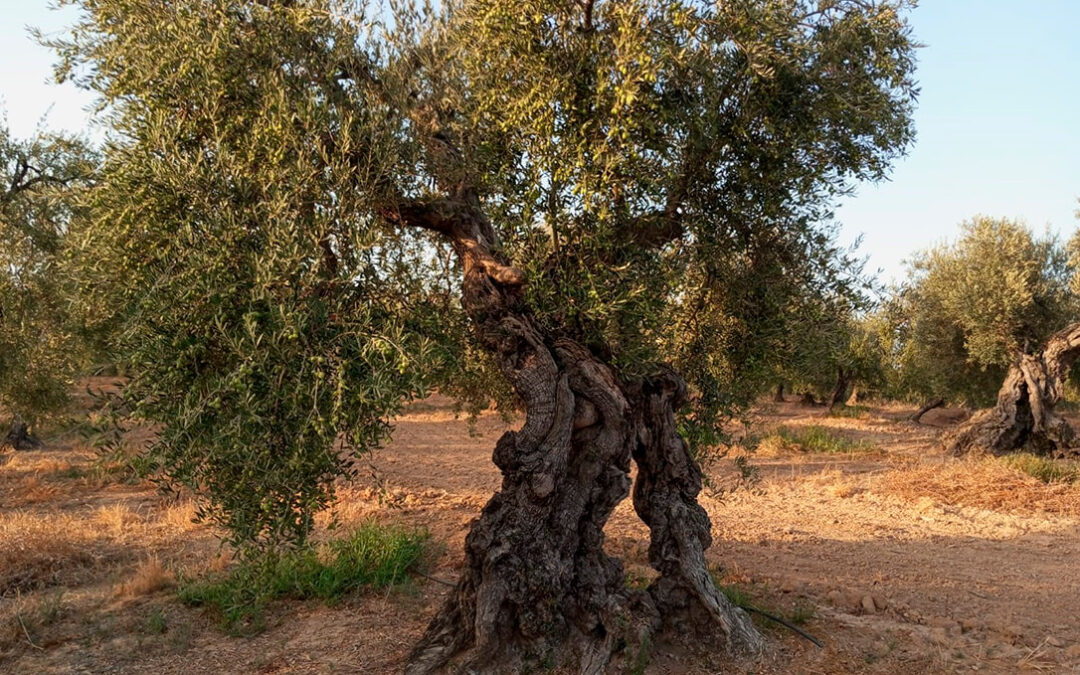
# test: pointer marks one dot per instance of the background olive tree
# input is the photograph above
(40, 181)
(970, 308)
(310, 212)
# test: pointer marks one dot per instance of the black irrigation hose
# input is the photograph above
(780, 621)
(431, 578)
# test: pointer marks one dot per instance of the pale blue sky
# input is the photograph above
(997, 122)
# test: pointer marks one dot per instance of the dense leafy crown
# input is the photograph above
(658, 169)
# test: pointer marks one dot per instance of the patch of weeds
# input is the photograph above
(748, 597)
(26, 621)
(70, 473)
(735, 594)
(372, 556)
(155, 623)
(1043, 468)
(642, 657)
(852, 411)
(50, 608)
(802, 613)
(813, 439)
(637, 581)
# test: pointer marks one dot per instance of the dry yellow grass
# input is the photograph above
(43, 548)
(178, 518)
(149, 576)
(982, 482)
(116, 520)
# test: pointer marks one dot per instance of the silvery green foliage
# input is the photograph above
(660, 171)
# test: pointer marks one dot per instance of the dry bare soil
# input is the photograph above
(900, 560)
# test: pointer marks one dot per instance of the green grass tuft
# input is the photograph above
(814, 439)
(853, 411)
(372, 556)
(1045, 469)
(156, 623)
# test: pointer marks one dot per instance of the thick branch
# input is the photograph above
(467, 228)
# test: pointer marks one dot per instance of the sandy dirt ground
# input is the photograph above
(900, 560)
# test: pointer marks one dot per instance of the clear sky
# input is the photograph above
(998, 120)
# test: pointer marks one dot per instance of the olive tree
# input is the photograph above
(39, 181)
(1018, 311)
(293, 192)
(979, 311)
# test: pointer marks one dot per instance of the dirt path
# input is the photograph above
(897, 579)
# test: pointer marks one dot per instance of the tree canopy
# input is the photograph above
(657, 171)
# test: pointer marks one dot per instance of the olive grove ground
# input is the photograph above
(900, 559)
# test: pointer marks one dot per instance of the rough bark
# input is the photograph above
(778, 397)
(807, 398)
(843, 379)
(19, 436)
(1024, 417)
(927, 407)
(665, 498)
(537, 584)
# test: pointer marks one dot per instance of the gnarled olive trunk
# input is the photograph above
(1024, 417)
(665, 497)
(778, 397)
(537, 583)
(19, 436)
(839, 392)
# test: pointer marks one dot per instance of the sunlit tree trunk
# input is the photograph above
(853, 399)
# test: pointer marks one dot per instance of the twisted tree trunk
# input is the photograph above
(1024, 417)
(19, 436)
(779, 395)
(537, 584)
(843, 378)
(665, 497)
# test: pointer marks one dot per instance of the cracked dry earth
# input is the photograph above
(900, 560)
